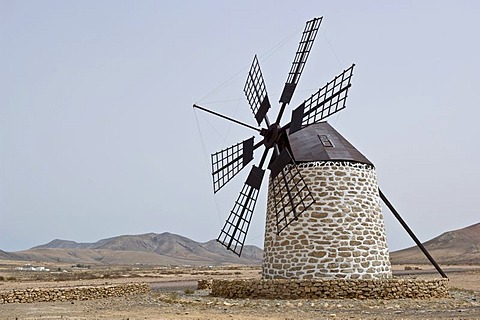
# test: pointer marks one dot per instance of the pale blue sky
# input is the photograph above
(98, 137)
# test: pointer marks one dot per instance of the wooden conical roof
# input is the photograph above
(321, 142)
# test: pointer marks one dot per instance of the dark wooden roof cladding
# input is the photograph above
(321, 142)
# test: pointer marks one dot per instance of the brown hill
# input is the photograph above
(453, 247)
(151, 248)
(460, 246)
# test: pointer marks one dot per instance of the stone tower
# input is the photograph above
(342, 235)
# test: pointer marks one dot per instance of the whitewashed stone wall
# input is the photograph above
(342, 235)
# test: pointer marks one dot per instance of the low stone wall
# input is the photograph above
(72, 293)
(331, 289)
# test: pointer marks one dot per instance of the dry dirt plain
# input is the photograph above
(173, 296)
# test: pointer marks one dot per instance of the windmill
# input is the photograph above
(311, 231)
(229, 162)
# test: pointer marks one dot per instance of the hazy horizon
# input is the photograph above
(214, 239)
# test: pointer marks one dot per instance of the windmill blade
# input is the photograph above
(227, 163)
(280, 162)
(328, 100)
(256, 92)
(304, 47)
(289, 191)
(234, 232)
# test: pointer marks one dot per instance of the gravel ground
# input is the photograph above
(175, 298)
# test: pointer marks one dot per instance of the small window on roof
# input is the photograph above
(325, 141)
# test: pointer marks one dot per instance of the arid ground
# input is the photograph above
(174, 296)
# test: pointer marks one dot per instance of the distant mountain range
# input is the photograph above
(150, 248)
(460, 246)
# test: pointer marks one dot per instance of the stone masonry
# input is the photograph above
(331, 289)
(72, 293)
(342, 235)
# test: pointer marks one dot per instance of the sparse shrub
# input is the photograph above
(189, 291)
(11, 278)
(2, 278)
(173, 296)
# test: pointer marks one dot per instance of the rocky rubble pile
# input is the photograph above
(331, 289)
(72, 293)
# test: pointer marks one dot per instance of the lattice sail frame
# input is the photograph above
(234, 232)
(301, 56)
(326, 101)
(291, 196)
(256, 92)
(228, 162)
